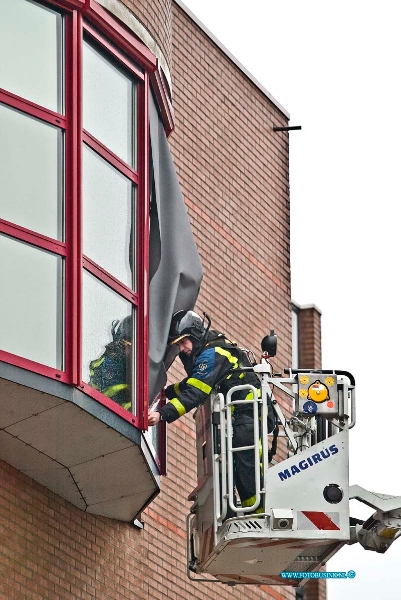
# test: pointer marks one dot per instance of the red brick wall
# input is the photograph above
(315, 589)
(50, 549)
(233, 171)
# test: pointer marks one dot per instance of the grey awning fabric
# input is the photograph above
(175, 266)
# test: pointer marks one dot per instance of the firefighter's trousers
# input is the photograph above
(244, 460)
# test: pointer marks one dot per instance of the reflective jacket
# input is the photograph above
(218, 363)
(108, 374)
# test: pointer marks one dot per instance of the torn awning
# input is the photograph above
(174, 263)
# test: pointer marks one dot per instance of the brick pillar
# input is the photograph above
(310, 345)
(310, 357)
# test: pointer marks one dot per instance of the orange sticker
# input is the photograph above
(330, 404)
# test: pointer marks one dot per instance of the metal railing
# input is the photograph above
(300, 430)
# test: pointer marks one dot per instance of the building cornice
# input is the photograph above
(122, 12)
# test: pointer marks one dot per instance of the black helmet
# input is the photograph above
(186, 323)
(122, 330)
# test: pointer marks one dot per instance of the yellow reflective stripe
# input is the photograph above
(228, 355)
(178, 406)
(177, 388)
(114, 389)
(249, 396)
(248, 501)
(126, 405)
(98, 362)
(242, 376)
(200, 385)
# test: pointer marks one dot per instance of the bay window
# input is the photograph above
(74, 207)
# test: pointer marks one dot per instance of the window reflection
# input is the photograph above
(31, 302)
(109, 341)
(109, 104)
(109, 217)
(31, 173)
(31, 50)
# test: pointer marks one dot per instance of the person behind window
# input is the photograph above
(110, 374)
(210, 359)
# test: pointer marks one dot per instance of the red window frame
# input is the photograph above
(86, 16)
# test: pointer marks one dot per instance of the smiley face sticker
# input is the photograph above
(318, 392)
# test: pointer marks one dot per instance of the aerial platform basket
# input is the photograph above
(305, 498)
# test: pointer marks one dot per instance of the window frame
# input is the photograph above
(137, 177)
(86, 17)
(19, 233)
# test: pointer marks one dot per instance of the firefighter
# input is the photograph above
(210, 359)
(111, 373)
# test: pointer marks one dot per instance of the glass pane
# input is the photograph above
(109, 217)
(109, 342)
(31, 173)
(154, 433)
(109, 104)
(31, 302)
(31, 50)
(155, 437)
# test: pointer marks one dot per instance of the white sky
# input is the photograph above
(334, 66)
